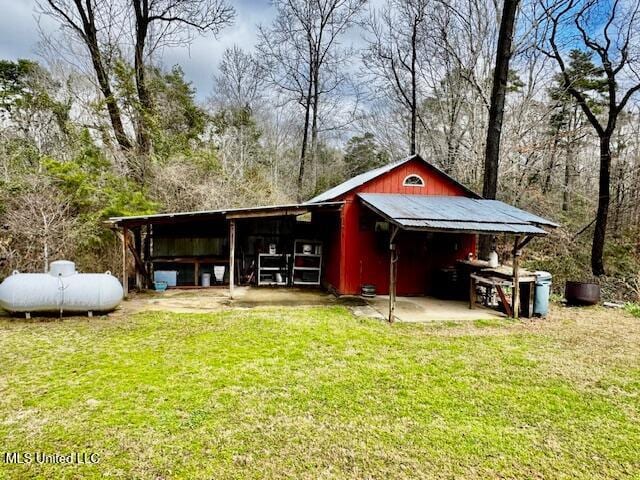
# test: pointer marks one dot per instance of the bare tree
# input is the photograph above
(611, 35)
(173, 19)
(240, 80)
(397, 33)
(301, 50)
(155, 23)
(40, 218)
(82, 20)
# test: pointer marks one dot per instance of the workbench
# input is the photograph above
(501, 277)
(197, 262)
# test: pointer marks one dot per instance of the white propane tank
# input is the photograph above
(62, 289)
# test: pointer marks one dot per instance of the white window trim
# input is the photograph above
(405, 184)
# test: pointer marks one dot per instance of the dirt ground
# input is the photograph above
(408, 309)
(213, 299)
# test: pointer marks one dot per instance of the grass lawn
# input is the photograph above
(317, 393)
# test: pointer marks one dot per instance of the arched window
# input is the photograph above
(413, 180)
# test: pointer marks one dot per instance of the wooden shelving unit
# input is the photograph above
(307, 262)
(270, 265)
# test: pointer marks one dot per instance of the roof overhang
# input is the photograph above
(224, 214)
(454, 214)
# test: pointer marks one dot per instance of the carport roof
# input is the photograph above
(454, 214)
(227, 213)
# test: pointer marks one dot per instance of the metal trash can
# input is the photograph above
(205, 280)
(541, 296)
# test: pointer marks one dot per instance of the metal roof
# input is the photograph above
(285, 209)
(453, 213)
(365, 177)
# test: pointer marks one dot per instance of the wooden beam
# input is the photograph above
(393, 273)
(507, 309)
(232, 251)
(125, 279)
(525, 242)
(274, 213)
(516, 278)
(139, 264)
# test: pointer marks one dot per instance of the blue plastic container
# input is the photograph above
(542, 292)
(160, 286)
(168, 276)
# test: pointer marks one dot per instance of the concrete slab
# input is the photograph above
(213, 299)
(426, 309)
(408, 309)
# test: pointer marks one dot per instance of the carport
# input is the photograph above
(195, 241)
(454, 214)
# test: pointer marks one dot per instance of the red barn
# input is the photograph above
(400, 225)
(357, 256)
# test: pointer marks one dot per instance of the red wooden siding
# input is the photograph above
(363, 255)
(332, 252)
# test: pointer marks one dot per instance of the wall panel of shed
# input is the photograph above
(365, 256)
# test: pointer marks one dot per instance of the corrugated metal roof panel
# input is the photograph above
(454, 213)
(224, 211)
(356, 181)
(520, 214)
(486, 227)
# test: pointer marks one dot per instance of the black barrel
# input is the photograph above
(582, 293)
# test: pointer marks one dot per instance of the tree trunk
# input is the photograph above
(314, 123)
(498, 95)
(552, 162)
(568, 175)
(105, 87)
(414, 106)
(144, 98)
(496, 110)
(597, 248)
(305, 137)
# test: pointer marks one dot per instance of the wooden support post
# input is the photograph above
(393, 273)
(232, 251)
(125, 275)
(532, 288)
(196, 272)
(147, 256)
(516, 278)
(472, 292)
(137, 245)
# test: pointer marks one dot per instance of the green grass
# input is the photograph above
(317, 393)
(633, 309)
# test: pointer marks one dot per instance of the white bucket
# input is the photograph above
(218, 273)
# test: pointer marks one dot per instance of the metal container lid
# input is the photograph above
(62, 268)
(542, 275)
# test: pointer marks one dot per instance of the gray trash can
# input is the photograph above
(541, 296)
(206, 280)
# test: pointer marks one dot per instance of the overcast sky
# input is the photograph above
(19, 37)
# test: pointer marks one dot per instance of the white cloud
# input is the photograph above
(19, 37)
